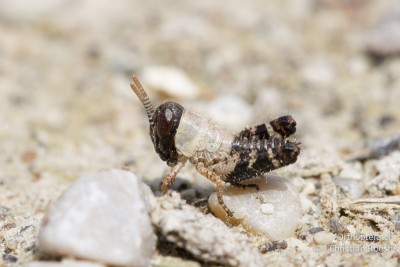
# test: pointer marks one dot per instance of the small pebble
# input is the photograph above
(4, 212)
(336, 226)
(309, 188)
(303, 232)
(272, 246)
(314, 230)
(324, 238)
(354, 188)
(384, 39)
(297, 243)
(267, 209)
(274, 210)
(8, 258)
(170, 81)
(102, 217)
(351, 229)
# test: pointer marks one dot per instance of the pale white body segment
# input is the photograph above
(199, 139)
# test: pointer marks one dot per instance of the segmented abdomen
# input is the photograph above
(258, 151)
(254, 158)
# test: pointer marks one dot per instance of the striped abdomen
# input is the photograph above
(258, 151)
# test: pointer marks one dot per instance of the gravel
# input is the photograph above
(67, 109)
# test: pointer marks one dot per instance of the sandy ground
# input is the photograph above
(66, 107)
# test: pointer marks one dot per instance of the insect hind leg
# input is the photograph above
(216, 179)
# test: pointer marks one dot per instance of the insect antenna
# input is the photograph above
(144, 98)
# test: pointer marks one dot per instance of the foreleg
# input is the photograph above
(169, 179)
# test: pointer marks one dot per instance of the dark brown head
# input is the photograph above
(164, 122)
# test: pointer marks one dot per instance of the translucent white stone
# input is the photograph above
(275, 210)
(324, 238)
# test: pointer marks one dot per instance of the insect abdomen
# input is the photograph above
(259, 153)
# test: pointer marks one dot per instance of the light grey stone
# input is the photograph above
(102, 217)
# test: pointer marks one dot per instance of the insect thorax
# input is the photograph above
(198, 138)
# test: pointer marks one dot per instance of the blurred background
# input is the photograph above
(66, 107)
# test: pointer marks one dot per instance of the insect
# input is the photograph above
(180, 135)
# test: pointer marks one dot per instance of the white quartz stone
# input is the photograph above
(102, 217)
(324, 238)
(274, 210)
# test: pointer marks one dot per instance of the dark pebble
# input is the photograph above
(314, 230)
(8, 258)
(272, 246)
(336, 226)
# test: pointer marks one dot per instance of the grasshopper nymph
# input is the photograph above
(179, 136)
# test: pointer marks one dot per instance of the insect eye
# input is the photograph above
(165, 121)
